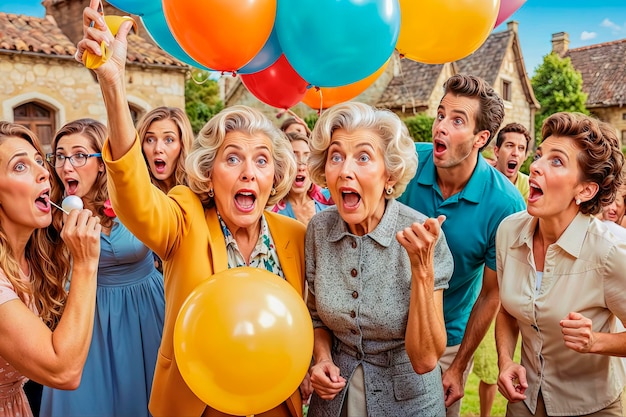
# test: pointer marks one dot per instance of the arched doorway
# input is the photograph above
(38, 118)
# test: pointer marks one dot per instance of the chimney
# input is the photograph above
(512, 25)
(560, 43)
(69, 17)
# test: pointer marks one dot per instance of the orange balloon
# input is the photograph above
(223, 35)
(440, 31)
(243, 341)
(325, 97)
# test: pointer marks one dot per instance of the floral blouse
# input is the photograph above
(263, 256)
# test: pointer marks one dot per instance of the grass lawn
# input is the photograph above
(470, 407)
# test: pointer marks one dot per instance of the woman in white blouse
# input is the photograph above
(562, 278)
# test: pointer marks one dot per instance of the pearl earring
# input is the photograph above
(578, 201)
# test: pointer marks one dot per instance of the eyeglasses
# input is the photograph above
(77, 160)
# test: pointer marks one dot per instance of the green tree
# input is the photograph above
(310, 120)
(558, 87)
(202, 99)
(420, 127)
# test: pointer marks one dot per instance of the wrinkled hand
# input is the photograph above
(419, 240)
(81, 233)
(453, 389)
(577, 332)
(113, 69)
(326, 380)
(512, 382)
(306, 389)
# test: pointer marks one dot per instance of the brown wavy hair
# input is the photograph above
(600, 158)
(490, 112)
(46, 253)
(96, 132)
(185, 132)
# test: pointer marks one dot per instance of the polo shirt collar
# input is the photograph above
(384, 233)
(473, 191)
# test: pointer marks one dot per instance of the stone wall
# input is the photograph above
(517, 109)
(616, 116)
(72, 91)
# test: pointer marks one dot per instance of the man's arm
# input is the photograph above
(483, 312)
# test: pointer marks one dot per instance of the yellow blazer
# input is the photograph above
(190, 242)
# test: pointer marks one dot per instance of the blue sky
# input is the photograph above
(586, 21)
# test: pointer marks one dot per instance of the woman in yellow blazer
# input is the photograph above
(239, 164)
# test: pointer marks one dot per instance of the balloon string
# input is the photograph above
(319, 112)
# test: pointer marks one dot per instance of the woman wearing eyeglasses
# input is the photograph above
(130, 304)
(305, 198)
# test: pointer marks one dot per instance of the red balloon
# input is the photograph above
(279, 85)
(507, 8)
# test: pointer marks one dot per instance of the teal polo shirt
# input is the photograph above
(472, 218)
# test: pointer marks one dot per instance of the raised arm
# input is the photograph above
(150, 215)
(111, 76)
(56, 358)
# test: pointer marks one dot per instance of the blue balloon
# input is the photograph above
(332, 43)
(138, 7)
(265, 58)
(159, 31)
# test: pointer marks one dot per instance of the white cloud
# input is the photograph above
(585, 36)
(607, 23)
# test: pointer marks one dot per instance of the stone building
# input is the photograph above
(603, 69)
(408, 87)
(43, 87)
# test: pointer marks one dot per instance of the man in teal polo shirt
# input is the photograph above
(453, 179)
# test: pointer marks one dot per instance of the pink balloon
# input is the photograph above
(507, 8)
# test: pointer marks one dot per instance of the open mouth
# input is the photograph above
(439, 146)
(43, 201)
(511, 165)
(245, 200)
(71, 186)
(299, 181)
(159, 165)
(350, 199)
(535, 193)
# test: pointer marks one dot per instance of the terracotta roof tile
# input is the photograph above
(33, 34)
(603, 68)
(416, 82)
(22, 33)
(412, 87)
(487, 60)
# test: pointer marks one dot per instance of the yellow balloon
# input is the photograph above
(440, 31)
(243, 341)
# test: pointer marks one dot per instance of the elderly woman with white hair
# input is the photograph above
(376, 271)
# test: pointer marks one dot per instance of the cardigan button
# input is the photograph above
(355, 294)
(354, 273)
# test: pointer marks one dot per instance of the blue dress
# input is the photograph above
(130, 306)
